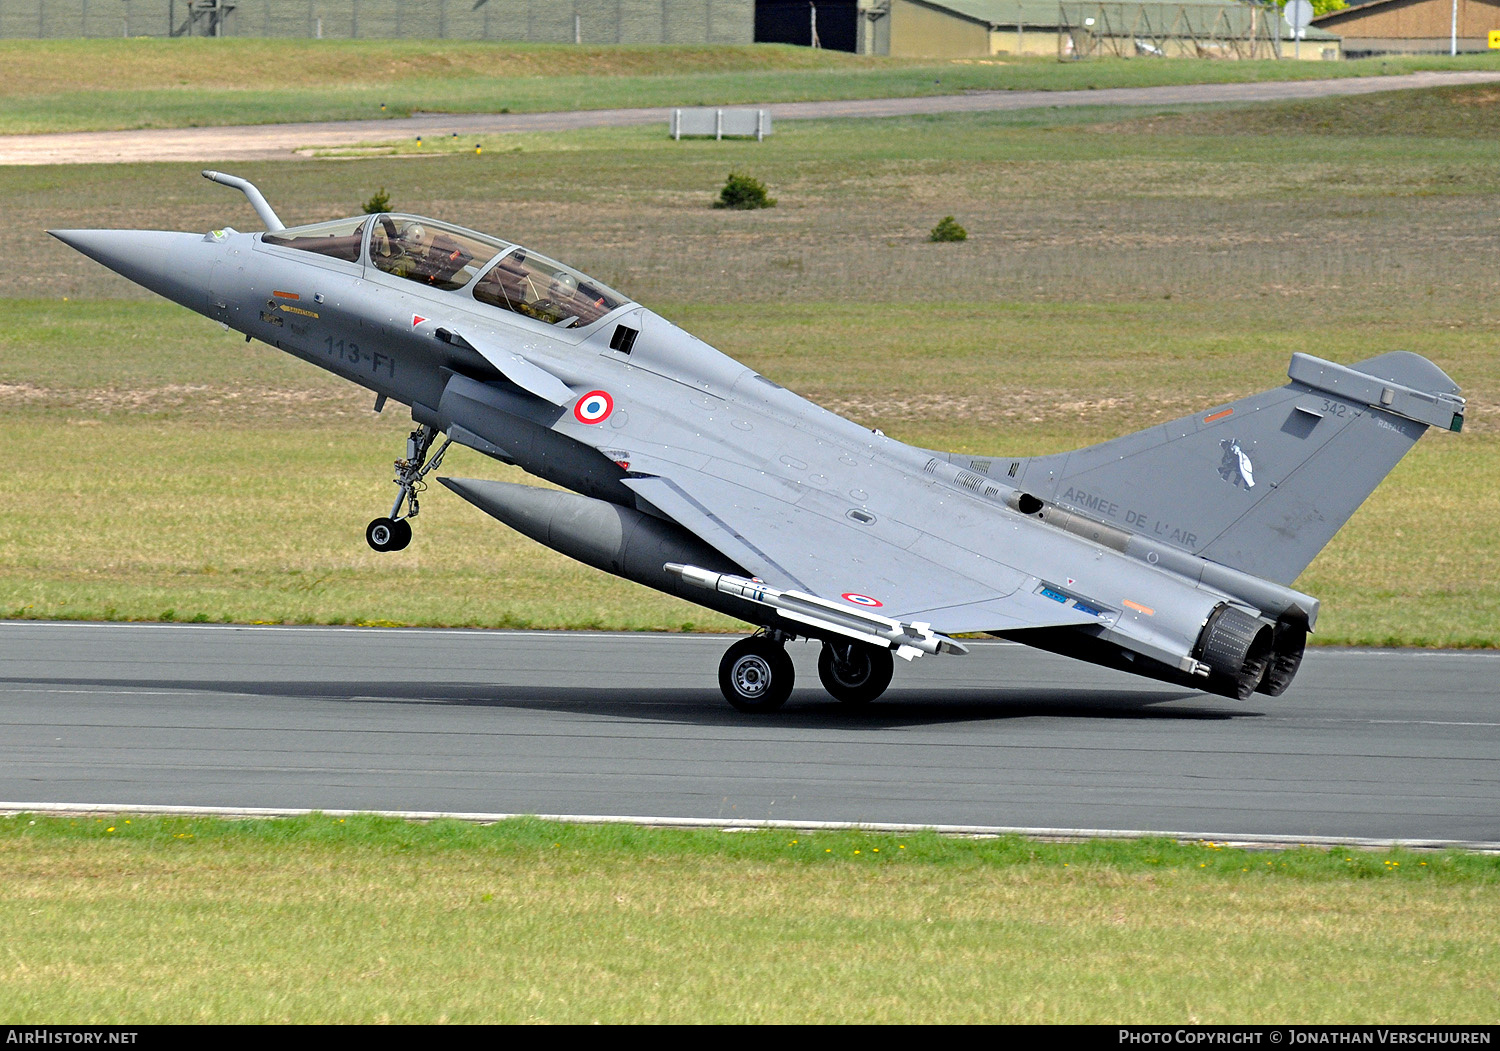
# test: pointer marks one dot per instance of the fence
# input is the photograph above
(1167, 30)
(541, 21)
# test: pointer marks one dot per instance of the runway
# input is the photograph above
(289, 141)
(1382, 744)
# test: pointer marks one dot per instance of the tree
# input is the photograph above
(744, 192)
(948, 230)
(1320, 7)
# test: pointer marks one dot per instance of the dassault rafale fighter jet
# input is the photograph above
(1168, 553)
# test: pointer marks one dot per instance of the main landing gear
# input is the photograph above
(853, 672)
(756, 675)
(394, 533)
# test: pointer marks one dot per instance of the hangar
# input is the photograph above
(1396, 27)
(1083, 29)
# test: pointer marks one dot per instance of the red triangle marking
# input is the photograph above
(417, 319)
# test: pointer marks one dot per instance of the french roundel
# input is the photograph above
(861, 600)
(594, 407)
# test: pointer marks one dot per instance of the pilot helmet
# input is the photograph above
(564, 284)
(414, 233)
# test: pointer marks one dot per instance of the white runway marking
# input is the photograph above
(1222, 839)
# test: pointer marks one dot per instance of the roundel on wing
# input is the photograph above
(594, 407)
(861, 600)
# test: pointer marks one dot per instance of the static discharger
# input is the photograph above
(908, 640)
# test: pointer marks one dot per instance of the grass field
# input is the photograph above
(83, 85)
(1123, 268)
(134, 920)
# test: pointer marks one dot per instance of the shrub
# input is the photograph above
(948, 230)
(380, 201)
(742, 191)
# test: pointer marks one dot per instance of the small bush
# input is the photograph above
(948, 230)
(380, 201)
(742, 191)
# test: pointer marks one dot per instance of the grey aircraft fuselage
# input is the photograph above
(1167, 553)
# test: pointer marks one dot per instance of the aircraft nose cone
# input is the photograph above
(159, 259)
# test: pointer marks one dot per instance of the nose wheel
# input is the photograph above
(854, 673)
(394, 533)
(756, 675)
(388, 534)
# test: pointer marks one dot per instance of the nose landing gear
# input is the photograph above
(394, 533)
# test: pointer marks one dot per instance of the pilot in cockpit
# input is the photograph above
(561, 291)
(409, 250)
(399, 250)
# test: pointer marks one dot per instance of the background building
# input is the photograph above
(793, 21)
(1083, 29)
(1412, 26)
(541, 21)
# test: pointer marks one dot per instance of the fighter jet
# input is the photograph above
(1169, 553)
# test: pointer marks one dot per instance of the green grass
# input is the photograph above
(138, 919)
(78, 85)
(1463, 112)
(1123, 268)
(221, 481)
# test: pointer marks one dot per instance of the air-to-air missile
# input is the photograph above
(1168, 553)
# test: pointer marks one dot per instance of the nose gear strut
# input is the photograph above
(394, 533)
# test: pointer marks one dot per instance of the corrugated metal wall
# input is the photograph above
(1417, 18)
(542, 21)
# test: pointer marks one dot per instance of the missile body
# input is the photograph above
(908, 640)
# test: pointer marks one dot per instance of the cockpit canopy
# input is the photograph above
(437, 255)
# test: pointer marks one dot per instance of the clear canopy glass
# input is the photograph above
(544, 289)
(447, 257)
(430, 253)
(339, 239)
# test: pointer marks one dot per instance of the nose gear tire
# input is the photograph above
(385, 534)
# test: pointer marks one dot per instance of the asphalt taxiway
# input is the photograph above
(1386, 744)
(289, 141)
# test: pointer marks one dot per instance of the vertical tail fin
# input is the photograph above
(1260, 485)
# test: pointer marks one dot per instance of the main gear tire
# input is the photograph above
(854, 673)
(756, 675)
